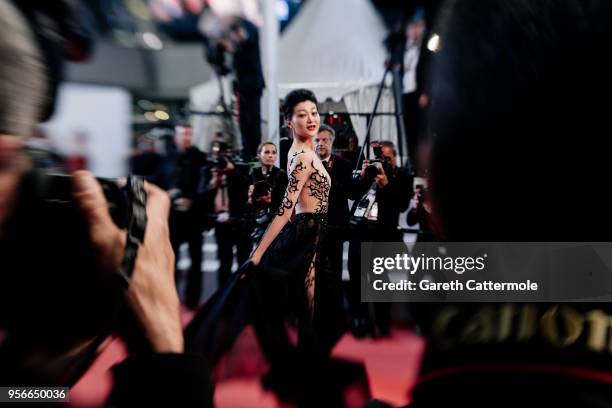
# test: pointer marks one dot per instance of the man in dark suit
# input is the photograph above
(243, 42)
(388, 193)
(224, 192)
(185, 218)
(340, 171)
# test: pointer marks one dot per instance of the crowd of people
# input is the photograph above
(77, 265)
(217, 191)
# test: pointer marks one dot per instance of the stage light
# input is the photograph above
(152, 41)
(161, 115)
(282, 10)
(151, 117)
(145, 105)
(433, 44)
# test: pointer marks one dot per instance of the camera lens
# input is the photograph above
(221, 163)
(261, 189)
(371, 171)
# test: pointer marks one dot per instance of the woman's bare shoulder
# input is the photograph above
(300, 155)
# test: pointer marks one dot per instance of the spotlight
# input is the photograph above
(433, 44)
(152, 41)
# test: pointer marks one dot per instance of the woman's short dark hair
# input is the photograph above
(294, 97)
(264, 143)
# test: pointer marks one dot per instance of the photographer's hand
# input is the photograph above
(265, 199)
(365, 164)
(152, 294)
(250, 195)
(229, 167)
(416, 203)
(215, 179)
(381, 180)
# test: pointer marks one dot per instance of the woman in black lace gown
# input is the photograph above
(290, 253)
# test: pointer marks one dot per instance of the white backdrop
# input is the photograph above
(103, 115)
(332, 47)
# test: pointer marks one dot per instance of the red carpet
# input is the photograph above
(391, 365)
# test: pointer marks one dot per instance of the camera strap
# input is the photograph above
(137, 224)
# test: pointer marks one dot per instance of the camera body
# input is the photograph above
(51, 284)
(261, 189)
(377, 165)
(222, 155)
(374, 169)
(219, 162)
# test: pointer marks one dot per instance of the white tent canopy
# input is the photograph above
(335, 48)
(206, 98)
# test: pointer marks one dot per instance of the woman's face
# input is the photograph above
(267, 154)
(305, 120)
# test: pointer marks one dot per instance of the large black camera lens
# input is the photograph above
(261, 188)
(221, 163)
(372, 171)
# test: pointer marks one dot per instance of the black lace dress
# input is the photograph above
(279, 291)
(293, 276)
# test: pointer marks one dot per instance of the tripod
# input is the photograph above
(394, 67)
(216, 56)
(380, 313)
(229, 124)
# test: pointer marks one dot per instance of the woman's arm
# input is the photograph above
(299, 172)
